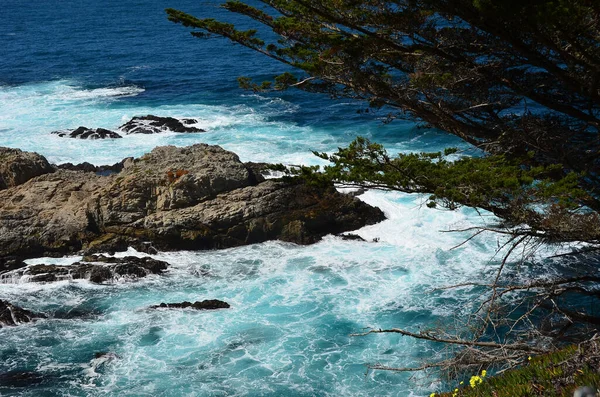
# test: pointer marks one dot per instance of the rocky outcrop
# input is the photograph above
(11, 315)
(100, 169)
(96, 268)
(196, 197)
(87, 133)
(17, 167)
(9, 262)
(209, 304)
(153, 125)
(351, 237)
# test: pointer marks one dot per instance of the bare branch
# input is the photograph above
(429, 337)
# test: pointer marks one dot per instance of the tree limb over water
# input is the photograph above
(517, 80)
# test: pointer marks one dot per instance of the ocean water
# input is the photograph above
(97, 64)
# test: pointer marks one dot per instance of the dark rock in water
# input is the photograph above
(100, 361)
(107, 355)
(75, 313)
(10, 263)
(118, 244)
(146, 247)
(209, 304)
(351, 236)
(113, 268)
(153, 125)
(174, 198)
(357, 192)
(17, 167)
(20, 378)
(14, 315)
(100, 274)
(87, 133)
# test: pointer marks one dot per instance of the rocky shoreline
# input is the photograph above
(196, 198)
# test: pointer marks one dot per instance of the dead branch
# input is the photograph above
(429, 337)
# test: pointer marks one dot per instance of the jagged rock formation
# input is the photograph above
(208, 304)
(99, 169)
(196, 197)
(11, 315)
(96, 268)
(153, 125)
(87, 133)
(17, 167)
(351, 237)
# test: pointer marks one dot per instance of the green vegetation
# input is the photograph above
(514, 188)
(520, 82)
(555, 374)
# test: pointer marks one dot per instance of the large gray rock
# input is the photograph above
(197, 197)
(17, 167)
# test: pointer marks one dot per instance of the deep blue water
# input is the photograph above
(99, 63)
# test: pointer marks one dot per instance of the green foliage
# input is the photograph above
(550, 201)
(469, 67)
(552, 375)
(488, 182)
(473, 68)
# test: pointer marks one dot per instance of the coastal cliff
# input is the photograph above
(197, 197)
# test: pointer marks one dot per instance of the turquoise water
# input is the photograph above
(98, 64)
(288, 332)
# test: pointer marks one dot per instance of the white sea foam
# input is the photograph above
(29, 113)
(293, 307)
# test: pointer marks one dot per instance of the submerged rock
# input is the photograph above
(99, 363)
(96, 268)
(209, 304)
(196, 197)
(87, 133)
(70, 313)
(11, 315)
(153, 125)
(21, 378)
(17, 167)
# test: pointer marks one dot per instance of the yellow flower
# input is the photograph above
(475, 380)
(529, 358)
(432, 395)
(483, 373)
(461, 382)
